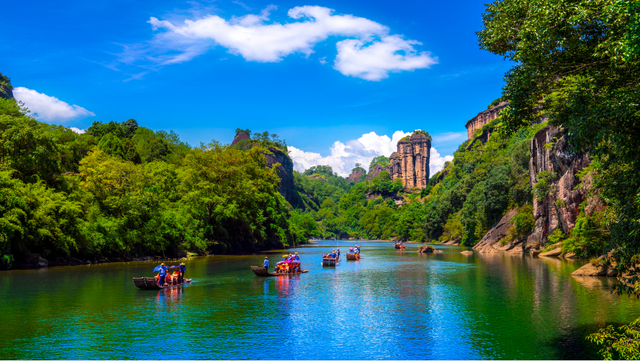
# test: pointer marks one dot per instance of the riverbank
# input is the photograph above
(36, 261)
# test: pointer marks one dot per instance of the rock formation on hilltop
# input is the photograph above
(240, 137)
(375, 171)
(6, 89)
(411, 161)
(356, 175)
(274, 155)
(285, 171)
(484, 117)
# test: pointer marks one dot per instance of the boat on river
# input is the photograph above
(399, 246)
(262, 272)
(151, 283)
(353, 256)
(329, 262)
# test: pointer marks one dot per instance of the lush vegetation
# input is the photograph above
(461, 203)
(122, 191)
(578, 63)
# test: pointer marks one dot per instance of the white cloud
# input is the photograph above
(78, 130)
(344, 156)
(436, 162)
(48, 108)
(375, 61)
(249, 37)
(371, 55)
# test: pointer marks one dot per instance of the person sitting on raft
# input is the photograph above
(296, 257)
(175, 277)
(357, 250)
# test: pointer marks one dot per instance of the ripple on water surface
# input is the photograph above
(389, 305)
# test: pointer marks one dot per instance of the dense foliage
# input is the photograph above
(122, 191)
(618, 343)
(578, 63)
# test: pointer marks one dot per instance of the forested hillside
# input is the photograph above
(121, 191)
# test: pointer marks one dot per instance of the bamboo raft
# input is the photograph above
(353, 257)
(150, 283)
(262, 272)
(329, 262)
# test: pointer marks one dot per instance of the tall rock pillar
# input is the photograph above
(411, 161)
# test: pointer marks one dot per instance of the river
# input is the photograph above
(389, 305)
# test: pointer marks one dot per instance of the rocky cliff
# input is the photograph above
(556, 200)
(6, 89)
(484, 117)
(411, 161)
(553, 170)
(376, 171)
(285, 170)
(356, 175)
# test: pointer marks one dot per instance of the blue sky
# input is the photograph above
(319, 79)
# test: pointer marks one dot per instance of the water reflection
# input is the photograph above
(390, 305)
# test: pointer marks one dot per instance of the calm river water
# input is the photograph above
(389, 305)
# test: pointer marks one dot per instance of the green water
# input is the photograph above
(389, 305)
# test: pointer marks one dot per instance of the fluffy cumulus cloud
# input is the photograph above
(371, 53)
(436, 163)
(344, 156)
(48, 108)
(78, 130)
(376, 60)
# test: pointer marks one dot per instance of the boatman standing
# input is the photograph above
(338, 253)
(183, 269)
(163, 274)
(266, 264)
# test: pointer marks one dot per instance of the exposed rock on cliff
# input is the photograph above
(376, 171)
(240, 137)
(484, 117)
(490, 243)
(554, 167)
(6, 89)
(356, 175)
(411, 161)
(285, 170)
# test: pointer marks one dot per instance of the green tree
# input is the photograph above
(578, 62)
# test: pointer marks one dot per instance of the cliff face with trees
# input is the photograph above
(578, 65)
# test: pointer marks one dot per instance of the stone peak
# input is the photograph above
(240, 137)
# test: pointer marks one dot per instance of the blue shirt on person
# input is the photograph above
(266, 263)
